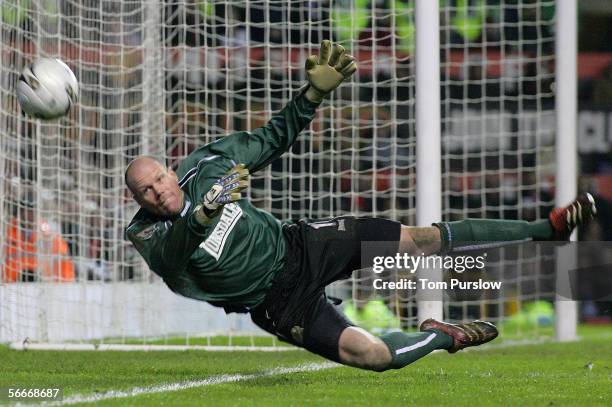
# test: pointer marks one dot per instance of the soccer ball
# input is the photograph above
(47, 88)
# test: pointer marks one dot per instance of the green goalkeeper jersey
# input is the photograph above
(231, 261)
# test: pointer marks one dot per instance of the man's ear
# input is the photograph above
(131, 193)
(135, 198)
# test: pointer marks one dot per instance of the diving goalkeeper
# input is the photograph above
(206, 243)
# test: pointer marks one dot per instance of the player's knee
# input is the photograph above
(378, 357)
(361, 349)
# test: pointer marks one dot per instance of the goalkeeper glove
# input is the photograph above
(225, 190)
(326, 73)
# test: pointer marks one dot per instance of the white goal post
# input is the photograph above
(452, 114)
(567, 152)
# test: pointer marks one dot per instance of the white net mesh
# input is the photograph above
(499, 124)
(163, 77)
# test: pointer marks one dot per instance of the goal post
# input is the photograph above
(428, 144)
(452, 114)
(567, 110)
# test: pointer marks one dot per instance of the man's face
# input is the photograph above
(155, 188)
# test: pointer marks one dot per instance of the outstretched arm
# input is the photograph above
(260, 147)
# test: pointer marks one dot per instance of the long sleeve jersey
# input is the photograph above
(231, 261)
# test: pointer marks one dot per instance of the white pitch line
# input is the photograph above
(137, 391)
(310, 367)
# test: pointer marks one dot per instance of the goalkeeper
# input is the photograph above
(206, 243)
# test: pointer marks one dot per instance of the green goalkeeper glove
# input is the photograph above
(326, 73)
(225, 190)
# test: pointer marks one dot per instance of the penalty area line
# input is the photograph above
(137, 391)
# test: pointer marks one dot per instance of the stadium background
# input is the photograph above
(162, 81)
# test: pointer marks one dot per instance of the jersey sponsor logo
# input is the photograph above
(216, 241)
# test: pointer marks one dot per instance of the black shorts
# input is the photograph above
(296, 308)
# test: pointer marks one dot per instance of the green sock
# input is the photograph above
(407, 348)
(471, 233)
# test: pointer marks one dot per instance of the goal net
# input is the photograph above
(498, 158)
(163, 77)
(498, 148)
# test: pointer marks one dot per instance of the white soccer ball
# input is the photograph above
(47, 88)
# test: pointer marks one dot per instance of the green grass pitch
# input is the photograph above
(551, 374)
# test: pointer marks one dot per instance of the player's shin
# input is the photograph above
(406, 348)
(470, 234)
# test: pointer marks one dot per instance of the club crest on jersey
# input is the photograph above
(147, 232)
(216, 241)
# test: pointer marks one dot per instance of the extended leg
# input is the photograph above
(470, 234)
(395, 350)
(359, 348)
